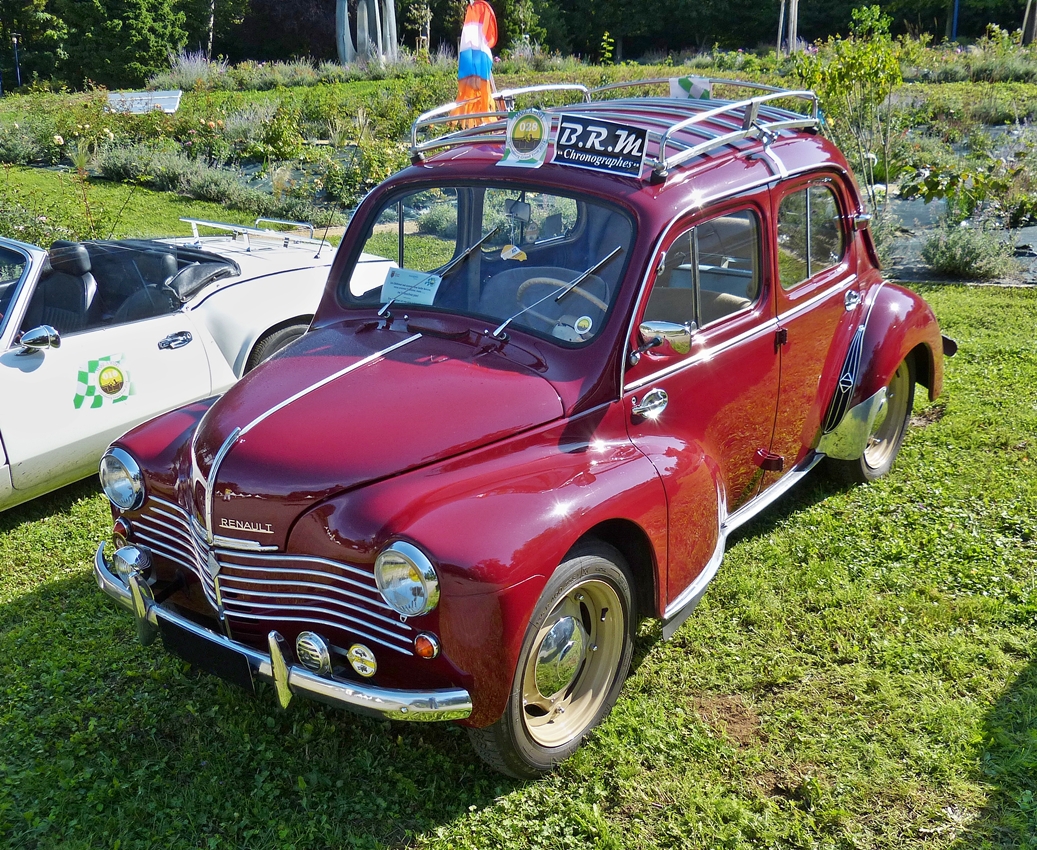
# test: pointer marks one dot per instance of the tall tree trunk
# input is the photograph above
(363, 32)
(392, 47)
(210, 30)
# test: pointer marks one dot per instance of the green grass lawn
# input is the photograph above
(115, 208)
(862, 674)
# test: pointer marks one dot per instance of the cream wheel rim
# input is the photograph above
(573, 662)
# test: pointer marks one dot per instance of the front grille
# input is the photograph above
(256, 587)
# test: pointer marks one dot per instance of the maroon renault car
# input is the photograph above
(609, 333)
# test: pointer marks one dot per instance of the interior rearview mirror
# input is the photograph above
(518, 210)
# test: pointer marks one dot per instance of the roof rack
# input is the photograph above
(285, 238)
(716, 122)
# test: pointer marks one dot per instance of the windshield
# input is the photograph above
(12, 267)
(546, 263)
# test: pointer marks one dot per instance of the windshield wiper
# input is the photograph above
(466, 253)
(443, 272)
(561, 292)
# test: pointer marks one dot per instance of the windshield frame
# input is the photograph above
(347, 301)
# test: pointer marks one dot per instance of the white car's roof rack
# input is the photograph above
(683, 128)
(285, 239)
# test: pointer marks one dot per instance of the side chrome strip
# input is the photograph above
(769, 327)
(769, 496)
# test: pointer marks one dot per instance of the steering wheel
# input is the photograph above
(555, 284)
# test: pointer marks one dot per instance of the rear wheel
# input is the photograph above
(574, 659)
(887, 435)
(272, 343)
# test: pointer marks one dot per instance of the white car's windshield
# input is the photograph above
(12, 267)
(546, 263)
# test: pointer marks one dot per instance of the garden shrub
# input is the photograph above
(370, 162)
(439, 220)
(970, 253)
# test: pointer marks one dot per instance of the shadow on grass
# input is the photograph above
(59, 502)
(103, 739)
(1008, 768)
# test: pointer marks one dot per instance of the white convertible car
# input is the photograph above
(98, 336)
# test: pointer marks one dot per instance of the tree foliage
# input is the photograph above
(855, 77)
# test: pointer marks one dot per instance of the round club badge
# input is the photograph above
(362, 660)
(583, 325)
(111, 380)
(526, 144)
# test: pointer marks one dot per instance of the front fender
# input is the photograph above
(237, 315)
(496, 523)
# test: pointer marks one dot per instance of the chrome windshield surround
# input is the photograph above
(275, 667)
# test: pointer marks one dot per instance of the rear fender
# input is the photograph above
(899, 324)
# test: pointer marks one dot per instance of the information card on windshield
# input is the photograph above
(410, 287)
(600, 146)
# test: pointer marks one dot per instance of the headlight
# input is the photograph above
(121, 479)
(407, 579)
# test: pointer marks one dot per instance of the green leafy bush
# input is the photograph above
(370, 163)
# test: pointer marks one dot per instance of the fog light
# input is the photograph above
(130, 560)
(313, 653)
(426, 645)
(121, 532)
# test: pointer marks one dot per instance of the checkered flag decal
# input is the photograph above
(104, 379)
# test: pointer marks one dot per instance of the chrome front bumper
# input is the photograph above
(275, 666)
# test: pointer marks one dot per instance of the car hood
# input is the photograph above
(346, 406)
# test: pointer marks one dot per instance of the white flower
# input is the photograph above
(58, 140)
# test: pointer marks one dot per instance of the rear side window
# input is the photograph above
(810, 235)
(710, 271)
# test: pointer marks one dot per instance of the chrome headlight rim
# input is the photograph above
(131, 473)
(412, 556)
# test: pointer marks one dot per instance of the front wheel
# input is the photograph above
(887, 436)
(273, 342)
(574, 659)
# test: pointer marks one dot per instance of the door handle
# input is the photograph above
(851, 299)
(175, 340)
(652, 405)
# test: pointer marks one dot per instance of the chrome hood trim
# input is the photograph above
(208, 482)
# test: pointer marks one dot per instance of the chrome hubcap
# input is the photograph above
(560, 657)
(890, 422)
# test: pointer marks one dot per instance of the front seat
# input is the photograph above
(65, 290)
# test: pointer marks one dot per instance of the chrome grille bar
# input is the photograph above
(262, 587)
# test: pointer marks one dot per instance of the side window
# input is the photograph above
(810, 235)
(711, 271)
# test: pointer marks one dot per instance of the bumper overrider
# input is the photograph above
(243, 664)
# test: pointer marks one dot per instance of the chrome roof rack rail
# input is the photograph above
(286, 239)
(708, 81)
(717, 123)
(490, 133)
